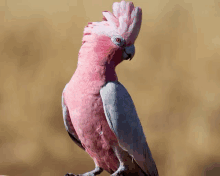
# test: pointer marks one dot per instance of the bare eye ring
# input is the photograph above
(118, 40)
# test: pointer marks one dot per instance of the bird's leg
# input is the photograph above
(98, 170)
(124, 161)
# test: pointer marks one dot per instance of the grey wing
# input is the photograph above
(123, 120)
(68, 124)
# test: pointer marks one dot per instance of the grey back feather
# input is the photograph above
(123, 120)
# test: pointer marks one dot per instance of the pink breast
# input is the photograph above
(91, 126)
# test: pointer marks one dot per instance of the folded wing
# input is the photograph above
(123, 120)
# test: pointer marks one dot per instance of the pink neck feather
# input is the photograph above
(96, 60)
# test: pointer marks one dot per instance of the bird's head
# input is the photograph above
(112, 40)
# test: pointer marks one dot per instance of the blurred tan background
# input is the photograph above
(174, 80)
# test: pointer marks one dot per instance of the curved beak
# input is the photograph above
(129, 52)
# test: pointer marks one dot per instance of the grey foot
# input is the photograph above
(96, 171)
(122, 170)
(69, 174)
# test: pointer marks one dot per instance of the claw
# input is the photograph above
(122, 170)
(70, 174)
(96, 171)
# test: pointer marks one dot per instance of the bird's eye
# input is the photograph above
(118, 40)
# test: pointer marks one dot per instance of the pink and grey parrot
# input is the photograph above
(98, 112)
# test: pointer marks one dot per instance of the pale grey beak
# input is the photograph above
(129, 52)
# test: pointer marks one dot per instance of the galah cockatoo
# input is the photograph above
(98, 112)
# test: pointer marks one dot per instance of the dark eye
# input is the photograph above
(118, 40)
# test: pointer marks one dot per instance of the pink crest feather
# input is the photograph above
(125, 21)
(129, 19)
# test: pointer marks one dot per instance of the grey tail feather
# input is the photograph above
(142, 173)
